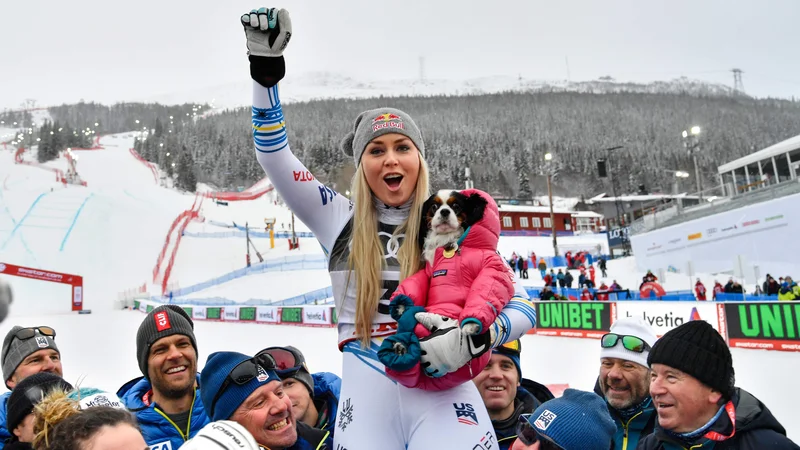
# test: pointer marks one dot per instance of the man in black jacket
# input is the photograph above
(506, 394)
(698, 407)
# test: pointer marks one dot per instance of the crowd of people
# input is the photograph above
(651, 394)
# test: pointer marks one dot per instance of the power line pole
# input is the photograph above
(738, 86)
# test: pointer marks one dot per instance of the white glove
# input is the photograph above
(222, 434)
(447, 349)
(268, 31)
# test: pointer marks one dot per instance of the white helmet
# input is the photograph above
(222, 434)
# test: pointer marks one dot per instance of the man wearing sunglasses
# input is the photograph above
(577, 420)
(26, 351)
(249, 392)
(624, 380)
(315, 397)
(698, 406)
(506, 394)
(165, 400)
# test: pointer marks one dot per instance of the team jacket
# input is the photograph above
(158, 430)
(630, 432)
(326, 397)
(329, 215)
(4, 433)
(755, 429)
(530, 395)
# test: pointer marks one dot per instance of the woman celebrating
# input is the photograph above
(371, 244)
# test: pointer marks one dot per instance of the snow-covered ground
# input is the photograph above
(112, 230)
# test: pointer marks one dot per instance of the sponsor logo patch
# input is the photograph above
(262, 374)
(465, 413)
(41, 341)
(545, 419)
(162, 321)
(439, 273)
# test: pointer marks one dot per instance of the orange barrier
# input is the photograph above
(179, 224)
(59, 173)
(147, 163)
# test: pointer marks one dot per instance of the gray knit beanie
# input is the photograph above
(161, 322)
(16, 350)
(377, 122)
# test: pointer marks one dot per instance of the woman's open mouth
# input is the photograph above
(393, 181)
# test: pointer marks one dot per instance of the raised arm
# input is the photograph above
(321, 208)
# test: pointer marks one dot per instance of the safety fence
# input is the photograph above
(286, 263)
(756, 325)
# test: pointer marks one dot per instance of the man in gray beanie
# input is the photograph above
(164, 400)
(26, 351)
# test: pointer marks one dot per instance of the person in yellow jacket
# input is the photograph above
(789, 290)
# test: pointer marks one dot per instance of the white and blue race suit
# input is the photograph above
(374, 411)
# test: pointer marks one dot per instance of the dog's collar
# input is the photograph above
(463, 236)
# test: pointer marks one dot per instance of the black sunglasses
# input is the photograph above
(243, 373)
(27, 333)
(527, 434)
(631, 343)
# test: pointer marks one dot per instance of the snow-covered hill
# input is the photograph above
(325, 85)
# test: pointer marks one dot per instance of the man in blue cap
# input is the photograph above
(247, 390)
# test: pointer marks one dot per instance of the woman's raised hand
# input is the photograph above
(268, 31)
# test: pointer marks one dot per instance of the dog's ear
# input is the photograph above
(475, 206)
(425, 222)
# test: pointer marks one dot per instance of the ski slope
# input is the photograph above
(112, 230)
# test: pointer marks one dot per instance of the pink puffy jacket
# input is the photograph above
(475, 283)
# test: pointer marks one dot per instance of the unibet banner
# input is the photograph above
(292, 315)
(771, 326)
(574, 319)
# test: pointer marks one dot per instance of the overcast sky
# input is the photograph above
(111, 50)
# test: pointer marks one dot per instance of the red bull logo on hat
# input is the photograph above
(387, 120)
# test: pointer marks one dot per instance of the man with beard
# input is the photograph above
(624, 380)
(165, 400)
(506, 394)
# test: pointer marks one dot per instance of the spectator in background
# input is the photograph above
(649, 277)
(568, 279)
(602, 291)
(591, 274)
(26, 351)
(589, 283)
(700, 290)
(616, 286)
(164, 400)
(718, 289)
(737, 288)
(553, 280)
(624, 380)
(560, 277)
(577, 420)
(542, 267)
(524, 268)
(770, 287)
(586, 295)
(789, 290)
(547, 279)
(547, 294)
(728, 289)
(533, 259)
(519, 265)
(506, 394)
(581, 280)
(758, 290)
(568, 257)
(698, 405)
(315, 397)
(601, 263)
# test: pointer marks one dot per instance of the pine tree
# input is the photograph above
(523, 168)
(186, 178)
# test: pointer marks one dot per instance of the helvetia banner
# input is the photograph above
(317, 315)
(574, 319)
(770, 326)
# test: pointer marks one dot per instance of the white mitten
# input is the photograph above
(268, 31)
(447, 349)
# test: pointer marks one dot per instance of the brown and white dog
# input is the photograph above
(446, 215)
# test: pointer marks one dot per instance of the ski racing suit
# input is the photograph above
(374, 411)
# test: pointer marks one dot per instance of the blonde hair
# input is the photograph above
(52, 410)
(366, 256)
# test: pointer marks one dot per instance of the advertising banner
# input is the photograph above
(214, 313)
(574, 319)
(291, 315)
(247, 313)
(198, 313)
(268, 314)
(231, 313)
(664, 316)
(317, 315)
(770, 326)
